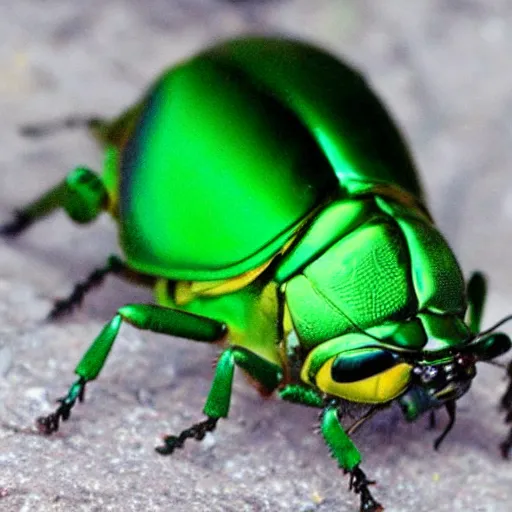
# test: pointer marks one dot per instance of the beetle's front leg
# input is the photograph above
(143, 316)
(219, 397)
(341, 446)
(348, 457)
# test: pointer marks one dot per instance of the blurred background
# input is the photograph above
(443, 69)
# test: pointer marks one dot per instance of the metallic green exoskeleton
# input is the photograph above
(265, 193)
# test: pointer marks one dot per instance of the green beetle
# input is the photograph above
(264, 192)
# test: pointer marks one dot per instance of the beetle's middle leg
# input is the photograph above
(143, 316)
(219, 397)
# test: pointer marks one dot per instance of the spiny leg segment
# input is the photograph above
(143, 316)
(341, 447)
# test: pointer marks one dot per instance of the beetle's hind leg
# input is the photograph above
(81, 194)
(104, 131)
(115, 266)
(43, 129)
(344, 451)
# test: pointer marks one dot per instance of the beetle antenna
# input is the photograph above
(450, 409)
(495, 326)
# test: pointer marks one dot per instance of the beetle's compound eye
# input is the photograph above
(365, 376)
(361, 364)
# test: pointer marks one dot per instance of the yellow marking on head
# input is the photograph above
(378, 389)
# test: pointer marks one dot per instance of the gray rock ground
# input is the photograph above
(445, 70)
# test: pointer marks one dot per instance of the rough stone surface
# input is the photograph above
(443, 68)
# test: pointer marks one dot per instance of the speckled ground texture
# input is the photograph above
(444, 69)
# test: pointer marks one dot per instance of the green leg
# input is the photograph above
(82, 194)
(219, 397)
(339, 443)
(344, 451)
(302, 395)
(477, 293)
(144, 316)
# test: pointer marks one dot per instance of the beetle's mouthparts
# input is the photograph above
(435, 385)
(417, 401)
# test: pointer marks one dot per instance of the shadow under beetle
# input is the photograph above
(263, 191)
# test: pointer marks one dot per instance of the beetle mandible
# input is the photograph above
(265, 194)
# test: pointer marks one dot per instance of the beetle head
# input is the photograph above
(437, 382)
(434, 384)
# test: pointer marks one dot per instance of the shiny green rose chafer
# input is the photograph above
(263, 191)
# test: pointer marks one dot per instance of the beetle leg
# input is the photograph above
(68, 123)
(197, 431)
(144, 316)
(105, 131)
(506, 405)
(506, 445)
(359, 484)
(344, 451)
(432, 420)
(302, 395)
(115, 266)
(477, 293)
(41, 207)
(451, 408)
(82, 194)
(219, 397)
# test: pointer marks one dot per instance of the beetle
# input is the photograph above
(263, 191)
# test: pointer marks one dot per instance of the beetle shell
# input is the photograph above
(228, 153)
